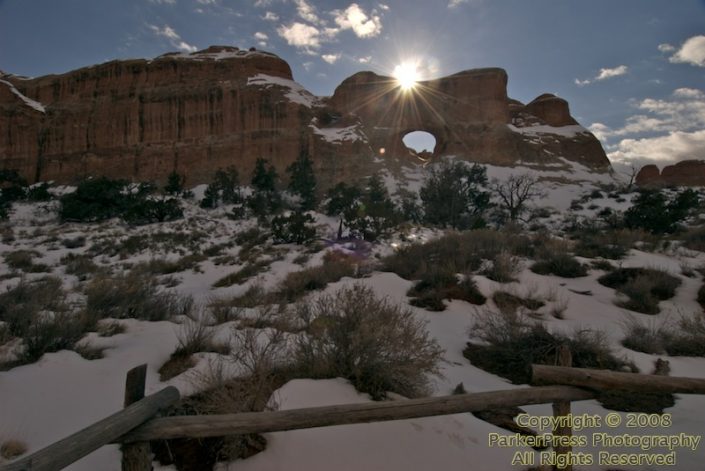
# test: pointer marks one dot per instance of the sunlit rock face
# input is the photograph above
(195, 113)
(685, 173)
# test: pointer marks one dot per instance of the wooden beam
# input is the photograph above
(260, 422)
(562, 409)
(135, 456)
(605, 380)
(73, 448)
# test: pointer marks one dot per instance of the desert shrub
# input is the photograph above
(94, 200)
(243, 274)
(261, 358)
(504, 268)
(335, 266)
(295, 228)
(194, 336)
(647, 338)
(644, 287)
(79, 265)
(506, 301)
(175, 184)
(689, 338)
(132, 296)
(377, 345)
(612, 244)
(160, 266)
(75, 242)
(110, 328)
(437, 285)
(458, 252)
(39, 192)
(694, 238)
(560, 264)
(21, 305)
(24, 260)
(512, 343)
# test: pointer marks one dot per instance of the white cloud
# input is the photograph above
(173, 37)
(456, 3)
(163, 2)
(384, 7)
(691, 52)
(207, 2)
(673, 147)
(307, 12)
(261, 38)
(665, 47)
(300, 35)
(665, 131)
(614, 72)
(271, 16)
(355, 18)
(364, 60)
(263, 3)
(330, 58)
(604, 74)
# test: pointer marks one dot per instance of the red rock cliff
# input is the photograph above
(141, 119)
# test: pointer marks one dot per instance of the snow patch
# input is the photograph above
(565, 131)
(338, 135)
(297, 93)
(28, 101)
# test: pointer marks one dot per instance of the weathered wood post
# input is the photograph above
(136, 456)
(562, 409)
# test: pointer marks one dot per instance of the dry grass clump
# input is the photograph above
(161, 266)
(504, 268)
(336, 265)
(79, 265)
(375, 344)
(133, 296)
(37, 312)
(437, 285)
(506, 301)
(644, 287)
(23, 260)
(11, 449)
(559, 264)
(250, 269)
(458, 252)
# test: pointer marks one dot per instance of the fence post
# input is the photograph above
(562, 408)
(136, 456)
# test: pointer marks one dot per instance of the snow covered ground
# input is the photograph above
(63, 392)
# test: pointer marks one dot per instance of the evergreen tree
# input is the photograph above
(303, 181)
(265, 198)
(343, 202)
(453, 196)
(651, 211)
(175, 184)
(376, 216)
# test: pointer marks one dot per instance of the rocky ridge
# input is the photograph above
(194, 113)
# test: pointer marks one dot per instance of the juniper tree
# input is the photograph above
(302, 181)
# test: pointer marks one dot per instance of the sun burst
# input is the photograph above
(406, 75)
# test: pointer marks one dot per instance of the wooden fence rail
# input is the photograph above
(135, 425)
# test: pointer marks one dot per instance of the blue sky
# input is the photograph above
(632, 70)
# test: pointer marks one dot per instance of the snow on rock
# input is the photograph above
(565, 131)
(28, 101)
(296, 93)
(338, 135)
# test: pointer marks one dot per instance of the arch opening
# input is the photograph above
(421, 143)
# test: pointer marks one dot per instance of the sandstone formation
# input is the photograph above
(195, 113)
(684, 173)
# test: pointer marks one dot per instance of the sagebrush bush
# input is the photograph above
(512, 343)
(647, 338)
(437, 285)
(24, 260)
(375, 344)
(644, 287)
(504, 268)
(458, 252)
(133, 296)
(336, 265)
(506, 301)
(689, 338)
(560, 264)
